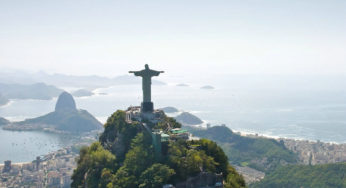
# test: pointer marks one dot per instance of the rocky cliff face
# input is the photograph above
(65, 103)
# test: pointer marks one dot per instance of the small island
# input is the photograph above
(207, 87)
(169, 109)
(187, 118)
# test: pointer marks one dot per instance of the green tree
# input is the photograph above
(212, 149)
(124, 179)
(155, 176)
(167, 122)
(136, 166)
(234, 180)
(197, 160)
(295, 176)
(118, 134)
(92, 163)
(140, 156)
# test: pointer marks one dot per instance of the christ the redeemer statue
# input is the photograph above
(146, 74)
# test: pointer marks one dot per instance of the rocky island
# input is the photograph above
(187, 118)
(169, 109)
(65, 119)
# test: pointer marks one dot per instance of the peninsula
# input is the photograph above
(65, 119)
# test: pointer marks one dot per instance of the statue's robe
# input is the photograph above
(146, 75)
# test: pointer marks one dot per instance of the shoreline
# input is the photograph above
(248, 133)
(16, 164)
(254, 134)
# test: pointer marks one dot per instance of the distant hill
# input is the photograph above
(65, 103)
(296, 176)
(259, 153)
(65, 118)
(187, 118)
(3, 121)
(73, 121)
(169, 109)
(62, 80)
(32, 91)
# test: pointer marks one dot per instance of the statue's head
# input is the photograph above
(146, 66)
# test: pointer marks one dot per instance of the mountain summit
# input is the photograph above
(65, 103)
(65, 118)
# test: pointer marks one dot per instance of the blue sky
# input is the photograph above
(211, 37)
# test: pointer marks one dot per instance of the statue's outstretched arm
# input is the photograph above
(156, 73)
(137, 73)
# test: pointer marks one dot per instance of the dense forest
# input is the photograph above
(296, 176)
(124, 157)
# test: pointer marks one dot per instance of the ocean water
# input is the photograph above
(19, 146)
(300, 108)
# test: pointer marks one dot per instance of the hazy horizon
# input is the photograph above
(195, 37)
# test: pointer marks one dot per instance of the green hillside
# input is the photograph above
(297, 176)
(260, 153)
(66, 118)
(124, 157)
(70, 121)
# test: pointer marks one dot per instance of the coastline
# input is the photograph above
(254, 134)
(16, 164)
(311, 151)
(308, 152)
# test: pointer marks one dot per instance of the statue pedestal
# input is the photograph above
(147, 107)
